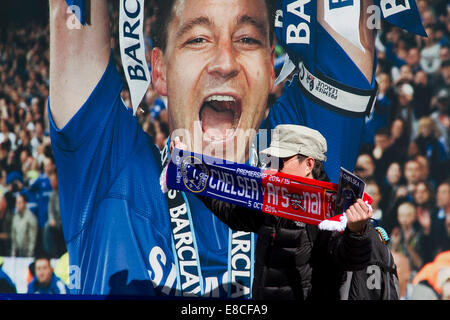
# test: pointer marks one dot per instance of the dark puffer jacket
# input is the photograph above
(287, 251)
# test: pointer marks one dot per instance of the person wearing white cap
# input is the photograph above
(308, 147)
(284, 259)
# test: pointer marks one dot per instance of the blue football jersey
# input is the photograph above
(342, 132)
(114, 215)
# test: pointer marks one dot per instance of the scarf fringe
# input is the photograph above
(163, 180)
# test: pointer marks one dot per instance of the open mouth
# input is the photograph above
(219, 116)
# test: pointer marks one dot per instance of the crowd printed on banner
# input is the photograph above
(17, 268)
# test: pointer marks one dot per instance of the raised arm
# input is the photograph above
(362, 55)
(78, 57)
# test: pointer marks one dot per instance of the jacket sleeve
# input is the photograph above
(236, 217)
(347, 251)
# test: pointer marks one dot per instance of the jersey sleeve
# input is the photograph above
(91, 149)
(342, 131)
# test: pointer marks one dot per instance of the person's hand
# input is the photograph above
(395, 237)
(377, 153)
(52, 222)
(411, 188)
(401, 192)
(357, 216)
(424, 219)
(176, 143)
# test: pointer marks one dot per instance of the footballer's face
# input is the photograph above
(217, 71)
